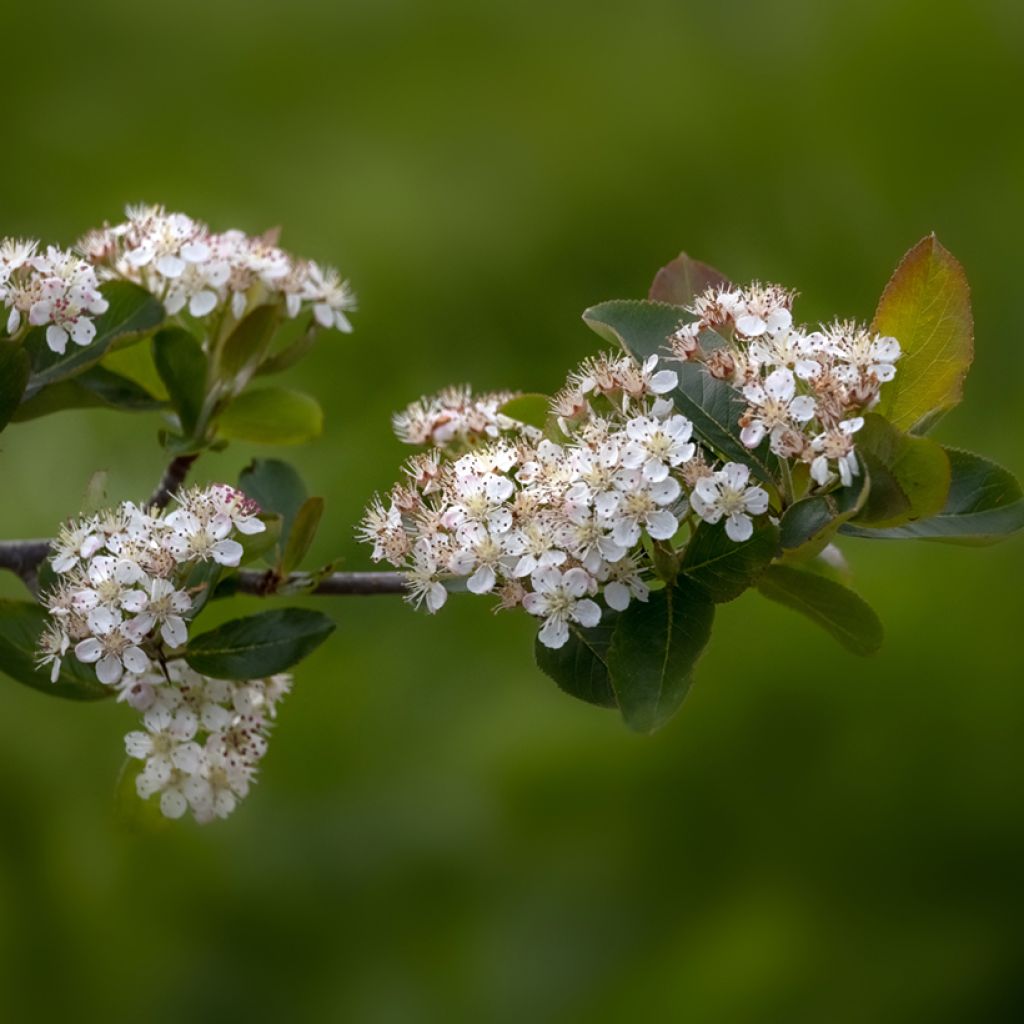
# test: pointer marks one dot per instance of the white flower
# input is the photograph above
(559, 598)
(422, 579)
(836, 446)
(639, 505)
(657, 445)
(480, 552)
(727, 494)
(165, 607)
(113, 647)
(775, 408)
(331, 297)
(194, 540)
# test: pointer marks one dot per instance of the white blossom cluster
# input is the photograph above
(555, 527)
(455, 418)
(54, 288)
(806, 390)
(122, 603)
(201, 739)
(184, 264)
(122, 577)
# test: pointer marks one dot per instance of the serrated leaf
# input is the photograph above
(926, 306)
(910, 476)
(272, 416)
(182, 366)
(715, 408)
(132, 312)
(837, 609)
(680, 281)
(301, 535)
(15, 367)
(653, 652)
(258, 645)
(579, 667)
(724, 567)
(985, 504)
(21, 624)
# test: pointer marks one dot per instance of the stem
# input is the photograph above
(22, 557)
(173, 478)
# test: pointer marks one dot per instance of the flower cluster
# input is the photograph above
(122, 603)
(184, 264)
(455, 418)
(122, 589)
(201, 739)
(805, 390)
(55, 289)
(554, 525)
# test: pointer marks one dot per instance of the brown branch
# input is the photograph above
(173, 478)
(23, 557)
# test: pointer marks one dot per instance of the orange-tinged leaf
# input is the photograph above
(926, 306)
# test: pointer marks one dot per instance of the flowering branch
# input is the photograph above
(23, 558)
(173, 478)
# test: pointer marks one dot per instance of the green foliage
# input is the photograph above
(926, 306)
(580, 668)
(714, 408)
(725, 568)
(272, 416)
(301, 535)
(276, 487)
(21, 624)
(250, 341)
(985, 504)
(653, 652)
(95, 388)
(258, 645)
(832, 606)
(678, 282)
(910, 476)
(14, 373)
(131, 314)
(809, 524)
(182, 367)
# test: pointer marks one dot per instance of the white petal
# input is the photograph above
(174, 631)
(89, 650)
(587, 613)
(617, 596)
(780, 385)
(227, 552)
(135, 661)
(662, 525)
(756, 500)
(481, 581)
(56, 339)
(109, 670)
(83, 331)
(802, 408)
(753, 434)
(554, 633)
(172, 804)
(751, 326)
(202, 303)
(664, 381)
(170, 265)
(738, 527)
(735, 475)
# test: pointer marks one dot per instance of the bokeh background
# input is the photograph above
(439, 834)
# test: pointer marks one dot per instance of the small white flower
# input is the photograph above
(560, 598)
(113, 647)
(836, 446)
(658, 445)
(728, 494)
(774, 408)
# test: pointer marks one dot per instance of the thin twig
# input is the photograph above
(173, 478)
(22, 557)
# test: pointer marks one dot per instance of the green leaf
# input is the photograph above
(256, 545)
(654, 649)
(809, 524)
(21, 624)
(715, 408)
(95, 388)
(136, 363)
(832, 606)
(910, 476)
(276, 487)
(250, 341)
(680, 281)
(132, 313)
(301, 535)
(985, 505)
(926, 306)
(15, 367)
(272, 416)
(580, 667)
(534, 410)
(182, 366)
(724, 567)
(258, 645)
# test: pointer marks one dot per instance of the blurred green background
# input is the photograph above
(439, 834)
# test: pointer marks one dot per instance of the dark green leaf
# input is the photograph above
(181, 363)
(256, 545)
(95, 388)
(724, 567)
(808, 525)
(276, 487)
(272, 416)
(910, 476)
(654, 649)
(132, 313)
(680, 281)
(579, 668)
(301, 535)
(985, 505)
(15, 367)
(258, 645)
(21, 624)
(250, 341)
(715, 408)
(832, 606)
